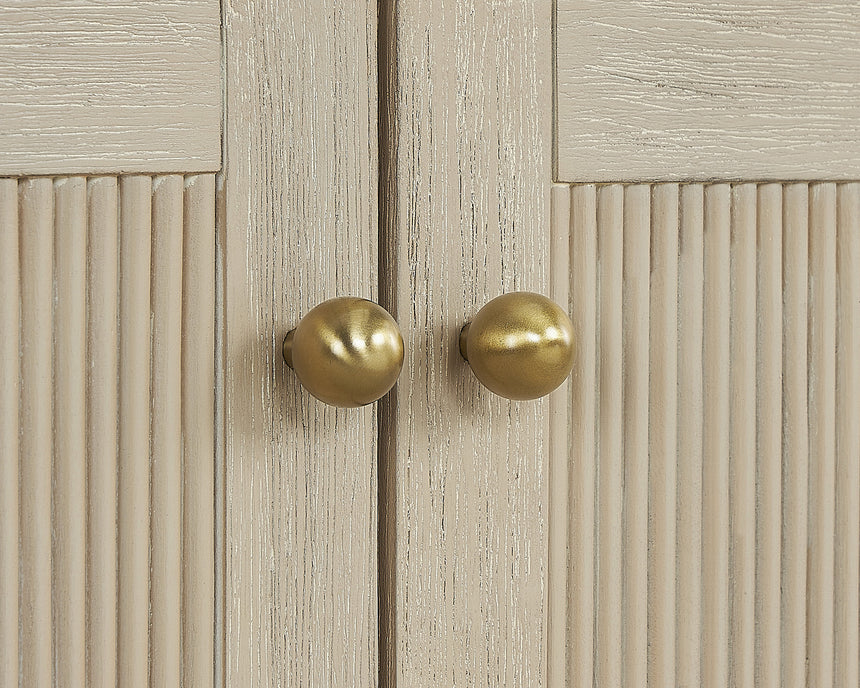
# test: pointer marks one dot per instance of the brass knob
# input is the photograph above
(346, 351)
(519, 345)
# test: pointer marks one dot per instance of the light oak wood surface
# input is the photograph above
(99, 86)
(744, 551)
(87, 608)
(297, 225)
(466, 182)
(663, 90)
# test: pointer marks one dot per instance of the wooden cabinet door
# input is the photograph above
(708, 502)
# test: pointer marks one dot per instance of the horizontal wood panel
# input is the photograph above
(97, 86)
(677, 90)
(708, 488)
(101, 261)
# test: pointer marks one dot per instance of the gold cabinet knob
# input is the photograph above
(519, 345)
(346, 352)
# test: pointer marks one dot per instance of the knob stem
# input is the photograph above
(464, 336)
(288, 347)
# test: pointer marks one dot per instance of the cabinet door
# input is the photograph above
(708, 502)
(109, 144)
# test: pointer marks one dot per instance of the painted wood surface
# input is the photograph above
(98, 86)
(466, 180)
(91, 436)
(747, 382)
(661, 90)
(297, 225)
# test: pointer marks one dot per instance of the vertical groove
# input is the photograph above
(36, 255)
(690, 425)
(166, 430)
(769, 436)
(662, 449)
(795, 451)
(558, 451)
(69, 477)
(9, 389)
(581, 560)
(742, 433)
(386, 534)
(636, 272)
(102, 342)
(610, 246)
(847, 559)
(134, 398)
(715, 435)
(822, 431)
(198, 412)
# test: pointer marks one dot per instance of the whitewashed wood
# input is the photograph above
(299, 189)
(766, 300)
(672, 89)
(93, 86)
(198, 438)
(88, 266)
(69, 474)
(634, 375)
(688, 627)
(166, 431)
(134, 441)
(769, 409)
(742, 434)
(795, 500)
(559, 494)
(467, 185)
(716, 354)
(822, 437)
(846, 586)
(102, 400)
(583, 435)
(663, 434)
(9, 388)
(36, 237)
(610, 415)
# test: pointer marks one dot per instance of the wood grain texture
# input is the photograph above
(97, 86)
(466, 179)
(69, 473)
(671, 89)
(36, 237)
(102, 404)
(10, 307)
(299, 222)
(752, 540)
(87, 260)
(198, 439)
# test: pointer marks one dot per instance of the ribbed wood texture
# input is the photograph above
(297, 226)
(711, 474)
(109, 86)
(695, 90)
(111, 572)
(466, 132)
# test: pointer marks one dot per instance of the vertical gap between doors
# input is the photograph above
(387, 406)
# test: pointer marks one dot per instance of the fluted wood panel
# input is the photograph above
(105, 586)
(711, 473)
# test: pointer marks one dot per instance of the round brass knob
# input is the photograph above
(519, 345)
(346, 351)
